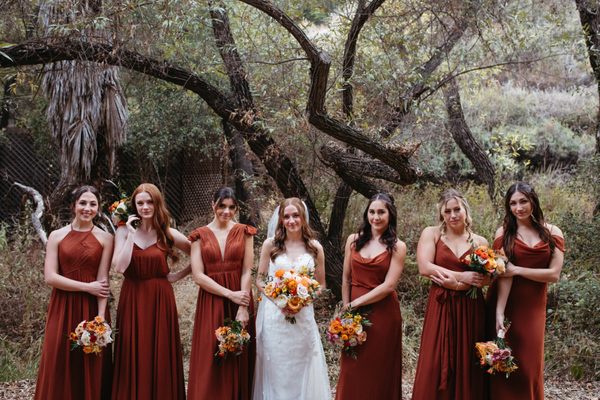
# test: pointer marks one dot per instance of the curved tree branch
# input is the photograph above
(38, 213)
(459, 129)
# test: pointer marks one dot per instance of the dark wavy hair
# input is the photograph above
(79, 191)
(225, 193)
(509, 224)
(161, 221)
(280, 233)
(389, 237)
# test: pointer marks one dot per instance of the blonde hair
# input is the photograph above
(445, 197)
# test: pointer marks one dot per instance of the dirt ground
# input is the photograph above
(563, 390)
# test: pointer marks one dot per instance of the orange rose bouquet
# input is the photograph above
(495, 356)
(92, 336)
(120, 211)
(232, 338)
(486, 261)
(291, 290)
(347, 330)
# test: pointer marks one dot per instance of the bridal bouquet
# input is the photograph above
(347, 331)
(92, 336)
(496, 356)
(119, 212)
(291, 290)
(486, 261)
(232, 338)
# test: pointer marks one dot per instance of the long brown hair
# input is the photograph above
(389, 237)
(161, 221)
(509, 224)
(281, 235)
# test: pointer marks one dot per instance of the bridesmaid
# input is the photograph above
(373, 263)
(76, 266)
(535, 250)
(148, 361)
(447, 367)
(222, 256)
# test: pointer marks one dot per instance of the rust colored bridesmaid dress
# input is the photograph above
(376, 373)
(148, 361)
(448, 368)
(66, 374)
(231, 378)
(526, 310)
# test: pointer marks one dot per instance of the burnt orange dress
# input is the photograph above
(526, 310)
(376, 373)
(230, 378)
(66, 374)
(447, 368)
(148, 361)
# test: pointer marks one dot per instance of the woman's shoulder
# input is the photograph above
(268, 244)
(102, 236)
(554, 230)
(434, 232)
(60, 233)
(247, 229)
(317, 244)
(479, 240)
(197, 233)
(400, 246)
(499, 232)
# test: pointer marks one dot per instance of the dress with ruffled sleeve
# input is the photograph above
(231, 378)
(526, 310)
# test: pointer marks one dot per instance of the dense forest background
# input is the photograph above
(330, 101)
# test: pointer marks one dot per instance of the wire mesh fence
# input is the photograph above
(187, 180)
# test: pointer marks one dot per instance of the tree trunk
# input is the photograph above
(589, 15)
(464, 138)
(242, 171)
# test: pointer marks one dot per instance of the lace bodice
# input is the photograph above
(282, 261)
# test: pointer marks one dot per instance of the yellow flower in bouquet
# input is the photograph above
(486, 261)
(495, 356)
(347, 330)
(92, 336)
(232, 338)
(291, 291)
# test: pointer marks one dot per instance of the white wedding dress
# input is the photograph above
(290, 362)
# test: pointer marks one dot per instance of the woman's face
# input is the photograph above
(520, 206)
(144, 205)
(454, 214)
(378, 215)
(292, 222)
(225, 210)
(86, 207)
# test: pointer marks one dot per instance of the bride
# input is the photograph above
(290, 363)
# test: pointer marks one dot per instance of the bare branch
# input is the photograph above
(38, 213)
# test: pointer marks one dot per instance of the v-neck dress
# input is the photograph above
(148, 360)
(526, 310)
(231, 378)
(66, 374)
(447, 368)
(376, 373)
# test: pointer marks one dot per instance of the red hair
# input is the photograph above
(161, 221)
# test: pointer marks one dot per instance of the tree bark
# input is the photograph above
(459, 129)
(589, 15)
(5, 117)
(38, 213)
(242, 170)
(280, 166)
(344, 190)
